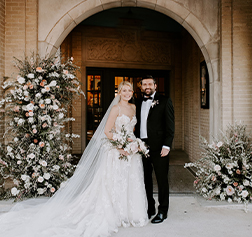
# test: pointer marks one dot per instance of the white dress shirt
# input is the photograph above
(145, 108)
(144, 115)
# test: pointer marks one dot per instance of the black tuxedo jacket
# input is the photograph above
(160, 122)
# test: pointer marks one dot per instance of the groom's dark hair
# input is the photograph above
(149, 77)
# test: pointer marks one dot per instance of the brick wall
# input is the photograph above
(2, 52)
(76, 111)
(177, 96)
(20, 31)
(195, 119)
(236, 49)
(242, 61)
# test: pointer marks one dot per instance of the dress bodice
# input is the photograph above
(126, 122)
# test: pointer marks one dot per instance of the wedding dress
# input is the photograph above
(104, 193)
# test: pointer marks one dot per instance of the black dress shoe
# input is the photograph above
(151, 214)
(159, 218)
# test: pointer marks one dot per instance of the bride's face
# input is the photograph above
(126, 93)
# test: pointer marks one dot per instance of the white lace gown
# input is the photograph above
(116, 197)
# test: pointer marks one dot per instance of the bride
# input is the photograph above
(104, 193)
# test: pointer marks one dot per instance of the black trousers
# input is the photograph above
(161, 169)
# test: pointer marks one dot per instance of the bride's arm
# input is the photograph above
(111, 121)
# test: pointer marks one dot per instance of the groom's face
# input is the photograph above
(148, 87)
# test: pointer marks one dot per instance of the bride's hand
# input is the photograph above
(123, 152)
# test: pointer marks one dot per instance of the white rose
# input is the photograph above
(46, 176)
(217, 191)
(40, 179)
(61, 115)
(31, 120)
(222, 196)
(219, 144)
(19, 162)
(40, 191)
(48, 101)
(30, 75)
(245, 182)
(230, 191)
(21, 80)
(51, 136)
(15, 139)
(21, 121)
(14, 191)
(38, 95)
(229, 166)
(25, 177)
(9, 149)
(29, 106)
(134, 147)
(244, 193)
(217, 168)
(53, 83)
(43, 163)
(56, 167)
(226, 180)
(230, 200)
(55, 107)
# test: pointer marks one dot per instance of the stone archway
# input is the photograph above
(201, 22)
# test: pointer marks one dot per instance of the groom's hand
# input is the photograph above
(164, 152)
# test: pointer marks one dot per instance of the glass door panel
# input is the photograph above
(94, 108)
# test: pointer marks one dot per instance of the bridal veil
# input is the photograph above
(31, 217)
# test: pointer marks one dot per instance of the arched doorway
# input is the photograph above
(71, 16)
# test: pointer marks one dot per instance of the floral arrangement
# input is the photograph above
(36, 155)
(225, 171)
(122, 140)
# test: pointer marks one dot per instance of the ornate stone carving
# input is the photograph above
(128, 48)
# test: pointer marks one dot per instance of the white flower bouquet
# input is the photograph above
(37, 156)
(122, 140)
(225, 171)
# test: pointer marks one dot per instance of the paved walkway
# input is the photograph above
(191, 215)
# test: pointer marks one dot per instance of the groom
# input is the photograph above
(155, 126)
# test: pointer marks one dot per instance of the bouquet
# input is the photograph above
(122, 140)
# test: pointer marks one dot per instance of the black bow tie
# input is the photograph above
(147, 98)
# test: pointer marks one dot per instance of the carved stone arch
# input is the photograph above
(70, 13)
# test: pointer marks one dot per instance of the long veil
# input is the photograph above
(25, 216)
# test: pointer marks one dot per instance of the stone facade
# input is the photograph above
(236, 63)
(2, 55)
(220, 34)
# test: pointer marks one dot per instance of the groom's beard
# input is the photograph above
(149, 92)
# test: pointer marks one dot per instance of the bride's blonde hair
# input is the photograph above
(124, 83)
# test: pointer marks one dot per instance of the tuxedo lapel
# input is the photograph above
(152, 107)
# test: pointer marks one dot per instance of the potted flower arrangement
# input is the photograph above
(225, 170)
(36, 154)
